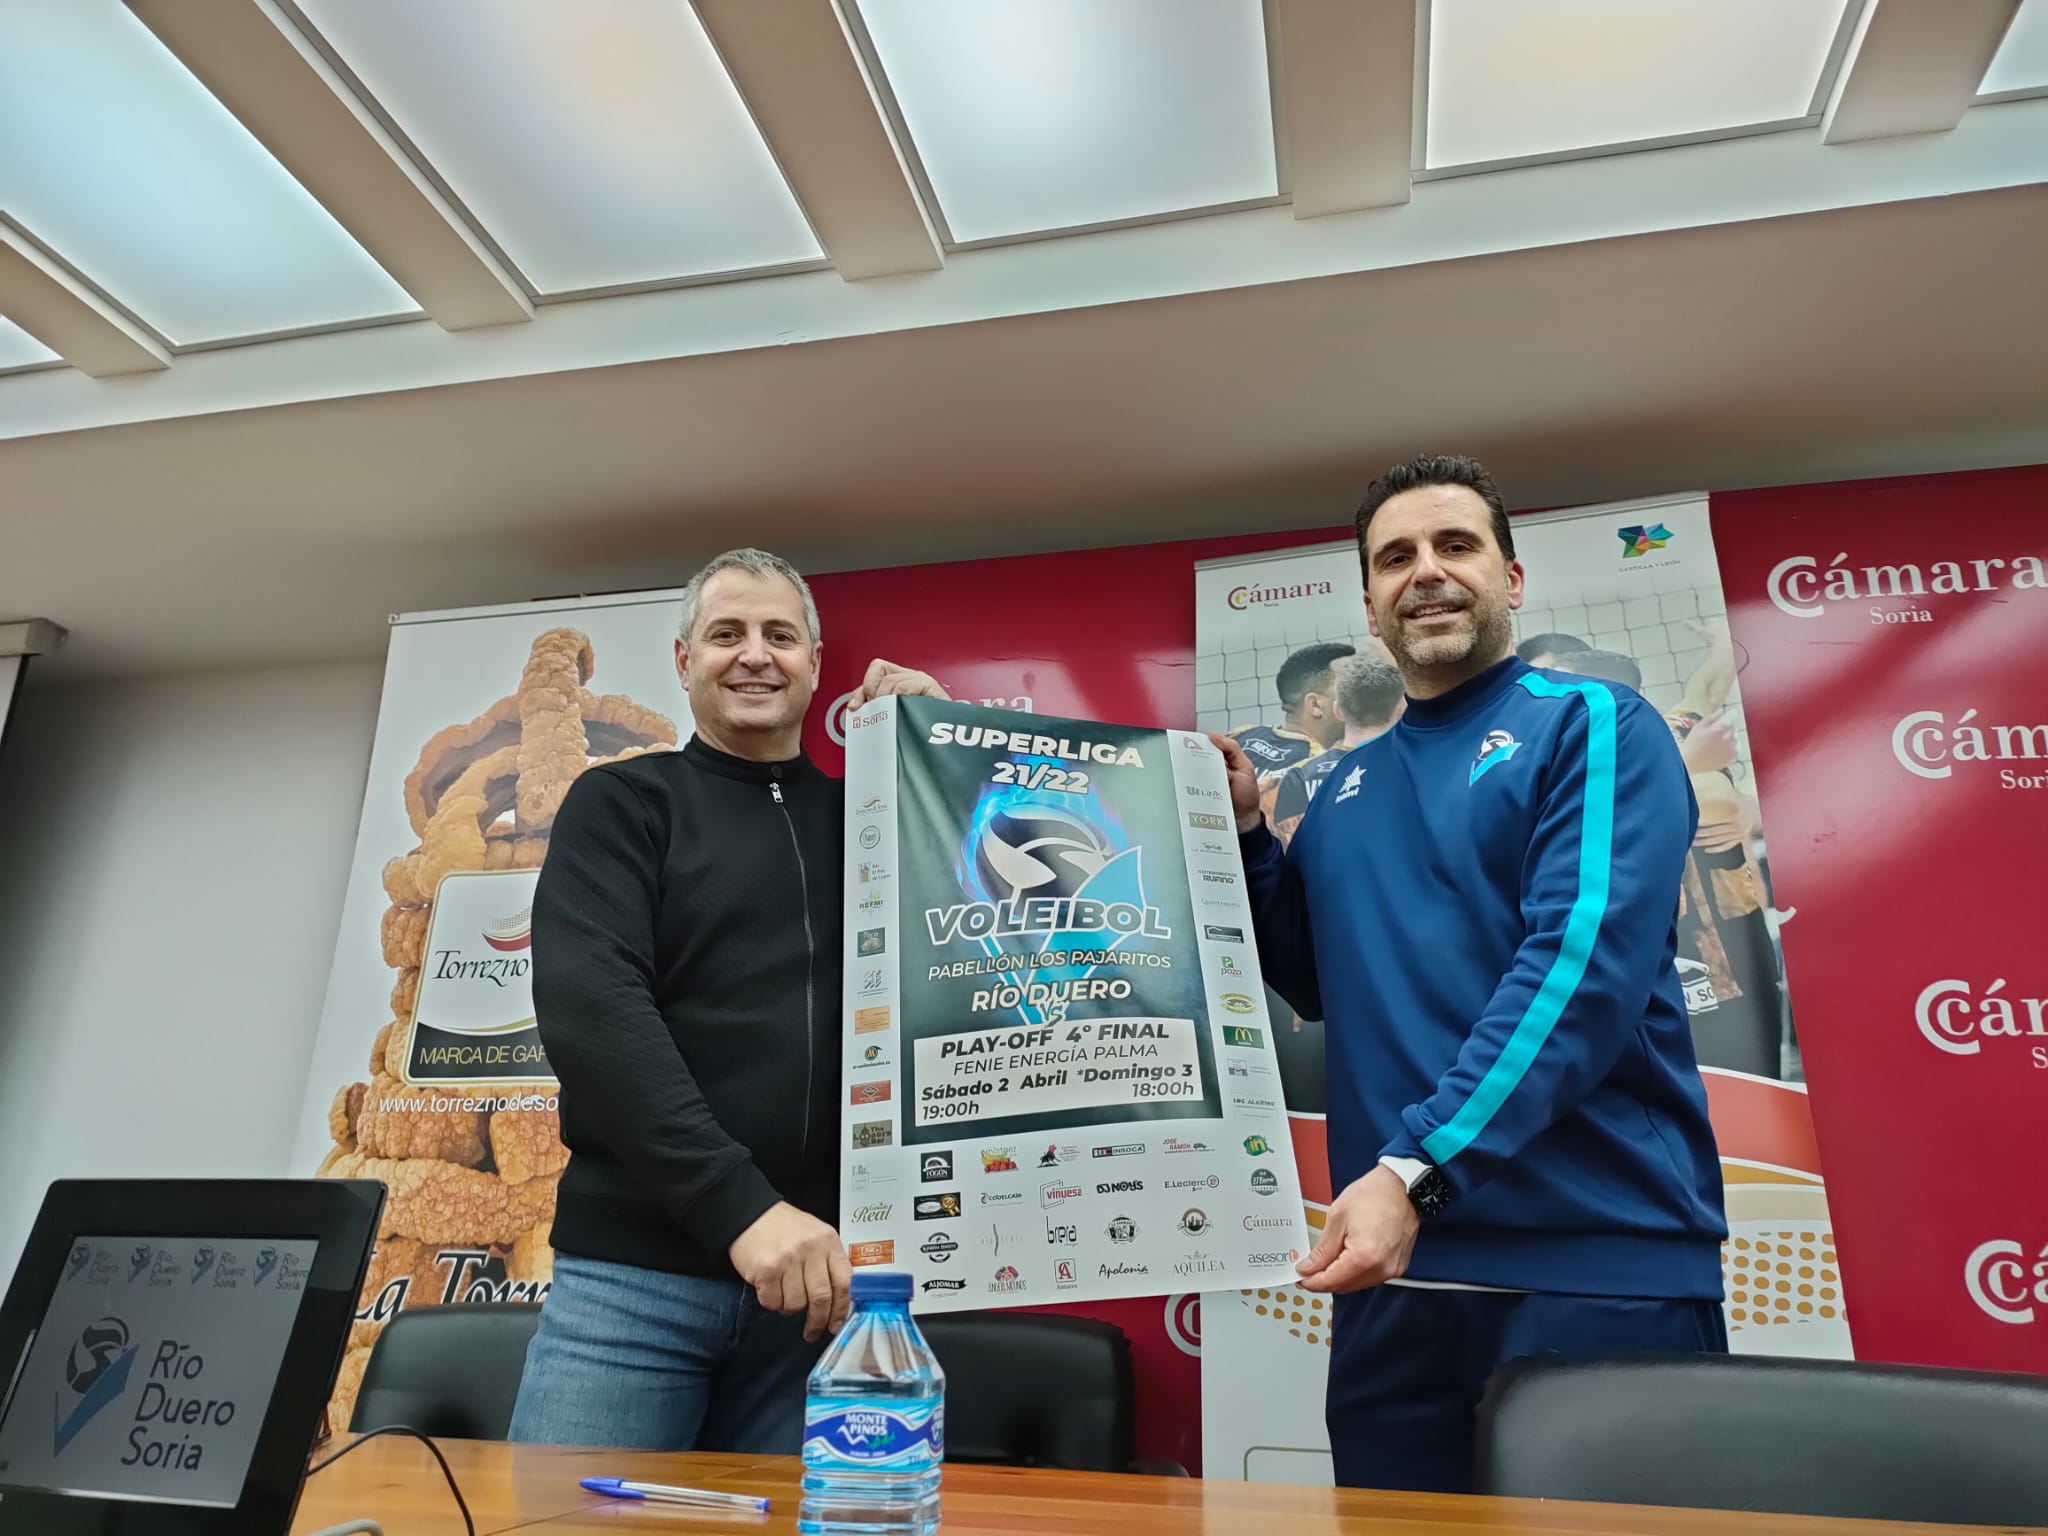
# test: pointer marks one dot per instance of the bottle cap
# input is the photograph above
(880, 1285)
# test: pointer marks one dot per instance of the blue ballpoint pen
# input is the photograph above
(659, 1493)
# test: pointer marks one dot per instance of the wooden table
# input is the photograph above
(534, 1488)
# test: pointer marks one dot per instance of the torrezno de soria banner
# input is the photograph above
(1059, 1072)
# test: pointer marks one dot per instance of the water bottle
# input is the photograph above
(875, 1421)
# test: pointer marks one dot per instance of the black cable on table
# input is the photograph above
(404, 1429)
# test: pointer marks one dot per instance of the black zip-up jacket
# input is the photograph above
(686, 968)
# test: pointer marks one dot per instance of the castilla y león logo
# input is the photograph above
(1640, 538)
(2005, 1283)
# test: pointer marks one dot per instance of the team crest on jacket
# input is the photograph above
(1498, 747)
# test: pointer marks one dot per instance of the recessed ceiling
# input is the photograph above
(2021, 63)
(1509, 79)
(600, 146)
(1033, 115)
(116, 159)
(18, 349)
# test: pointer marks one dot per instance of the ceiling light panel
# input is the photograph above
(18, 349)
(600, 146)
(120, 162)
(1033, 115)
(2021, 63)
(1510, 79)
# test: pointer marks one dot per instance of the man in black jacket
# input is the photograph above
(686, 980)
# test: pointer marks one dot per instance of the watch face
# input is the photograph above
(1431, 1192)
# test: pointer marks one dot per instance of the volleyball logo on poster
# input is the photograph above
(1055, 1039)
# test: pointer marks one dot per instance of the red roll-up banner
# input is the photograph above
(1894, 645)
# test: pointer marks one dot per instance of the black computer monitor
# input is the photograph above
(167, 1347)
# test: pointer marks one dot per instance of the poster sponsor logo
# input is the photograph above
(872, 1057)
(874, 1213)
(1003, 1197)
(1256, 1109)
(1238, 1002)
(998, 1159)
(1801, 586)
(1175, 1144)
(1194, 1221)
(1122, 1230)
(1242, 598)
(1119, 1271)
(869, 1093)
(1197, 1263)
(1222, 935)
(1056, 1193)
(872, 902)
(1257, 1146)
(1267, 1223)
(945, 1285)
(871, 838)
(1227, 966)
(1244, 1037)
(1273, 1256)
(1205, 821)
(934, 1167)
(1062, 1234)
(873, 1133)
(1927, 745)
(881, 1251)
(1638, 539)
(1265, 1181)
(872, 941)
(874, 805)
(1121, 1149)
(871, 982)
(869, 874)
(866, 1179)
(1209, 1182)
(939, 1247)
(1121, 1187)
(2004, 1283)
(1216, 877)
(1197, 792)
(1006, 1280)
(942, 1205)
(1955, 1018)
(1063, 1275)
(1055, 1154)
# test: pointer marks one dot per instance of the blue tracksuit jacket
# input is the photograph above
(1482, 905)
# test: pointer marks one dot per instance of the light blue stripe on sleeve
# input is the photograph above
(1581, 928)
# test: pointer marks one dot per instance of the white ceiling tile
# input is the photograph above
(1046, 114)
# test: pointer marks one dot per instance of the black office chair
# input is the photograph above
(1024, 1390)
(1791, 1437)
(451, 1371)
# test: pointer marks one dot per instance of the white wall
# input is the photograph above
(173, 853)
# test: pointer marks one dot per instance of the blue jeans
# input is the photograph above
(643, 1360)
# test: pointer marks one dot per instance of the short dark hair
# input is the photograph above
(1308, 671)
(1611, 665)
(1552, 644)
(1433, 469)
(1368, 689)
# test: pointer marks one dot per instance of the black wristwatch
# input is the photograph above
(1429, 1191)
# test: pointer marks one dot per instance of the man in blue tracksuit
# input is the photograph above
(1482, 904)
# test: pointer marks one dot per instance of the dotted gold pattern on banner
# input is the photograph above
(1785, 1276)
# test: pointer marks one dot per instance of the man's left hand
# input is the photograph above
(885, 678)
(1367, 1236)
